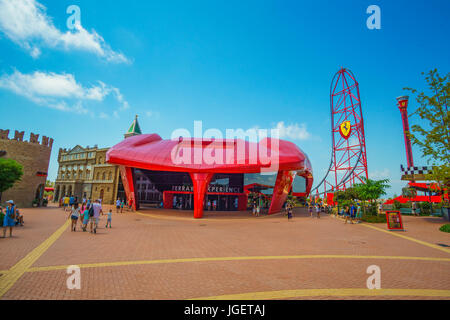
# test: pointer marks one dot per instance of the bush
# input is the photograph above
(374, 218)
(425, 208)
(445, 228)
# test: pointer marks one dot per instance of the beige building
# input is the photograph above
(84, 173)
(34, 156)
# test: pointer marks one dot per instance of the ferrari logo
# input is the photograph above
(345, 129)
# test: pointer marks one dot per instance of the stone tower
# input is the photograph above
(34, 156)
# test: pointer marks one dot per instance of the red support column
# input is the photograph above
(242, 202)
(200, 181)
(403, 107)
(167, 200)
(281, 190)
(128, 184)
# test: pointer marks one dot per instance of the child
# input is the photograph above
(19, 218)
(85, 217)
(108, 221)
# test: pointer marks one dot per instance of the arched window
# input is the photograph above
(110, 176)
(98, 175)
(104, 176)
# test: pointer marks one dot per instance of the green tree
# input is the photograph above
(433, 135)
(409, 193)
(10, 172)
(371, 190)
(49, 183)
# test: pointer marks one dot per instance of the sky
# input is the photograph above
(231, 64)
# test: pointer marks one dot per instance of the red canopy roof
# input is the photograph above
(151, 152)
(427, 186)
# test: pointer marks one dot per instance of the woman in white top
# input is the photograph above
(74, 215)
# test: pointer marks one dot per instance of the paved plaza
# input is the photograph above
(166, 254)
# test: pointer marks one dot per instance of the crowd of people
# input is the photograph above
(88, 212)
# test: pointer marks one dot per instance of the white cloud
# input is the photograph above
(152, 114)
(380, 174)
(293, 131)
(26, 23)
(57, 91)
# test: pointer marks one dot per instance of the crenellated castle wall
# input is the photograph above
(34, 156)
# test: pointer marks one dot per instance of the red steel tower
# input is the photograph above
(348, 163)
(402, 103)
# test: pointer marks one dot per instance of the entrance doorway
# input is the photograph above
(219, 202)
(183, 201)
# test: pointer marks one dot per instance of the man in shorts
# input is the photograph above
(66, 202)
(97, 210)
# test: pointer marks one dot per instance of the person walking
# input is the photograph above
(352, 213)
(9, 219)
(380, 208)
(310, 210)
(122, 204)
(130, 202)
(346, 213)
(108, 221)
(318, 210)
(358, 213)
(71, 201)
(74, 215)
(97, 210)
(66, 203)
(414, 208)
(85, 217)
(289, 211)
(117, 205)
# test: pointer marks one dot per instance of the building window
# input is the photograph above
(104, 176)
(110, 176)
(98, 176)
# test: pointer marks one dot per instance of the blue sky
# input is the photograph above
(231, 64)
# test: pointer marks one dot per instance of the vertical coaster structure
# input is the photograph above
(348, 163)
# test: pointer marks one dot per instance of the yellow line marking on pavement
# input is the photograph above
(14, 274)
(213, 259)
(395, 233)
(285, 294)
(163, 217)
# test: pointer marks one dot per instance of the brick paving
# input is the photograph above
(139, 237)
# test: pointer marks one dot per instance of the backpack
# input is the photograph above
(91, 211)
